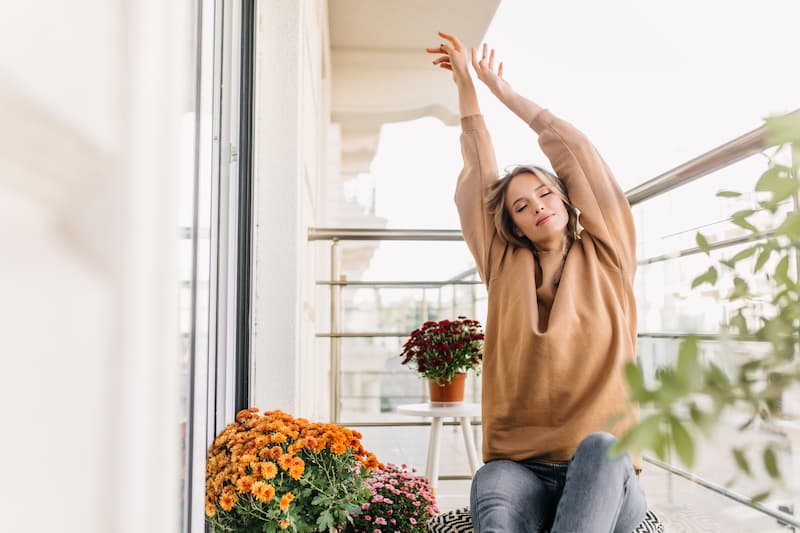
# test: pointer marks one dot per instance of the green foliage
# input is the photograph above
(688, 399)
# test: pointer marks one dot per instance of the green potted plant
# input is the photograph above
(443, 352)
(274, 472)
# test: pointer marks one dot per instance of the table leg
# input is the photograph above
(432, 467)
(469, 443)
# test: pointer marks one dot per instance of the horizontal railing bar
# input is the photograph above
(701, 336)
(783, 517)
(404, 284)
(713, 246)
(363, 335)
(399, 424)
(369, 234)
(650, 335)
(724, 155)
(418, 398)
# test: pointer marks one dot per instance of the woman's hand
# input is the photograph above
(454, 58)
(484, 68)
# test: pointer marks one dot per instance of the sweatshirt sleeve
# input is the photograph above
(605, 212)
(479, 171)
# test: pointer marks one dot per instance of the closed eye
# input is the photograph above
(521, 208)
(545, 194)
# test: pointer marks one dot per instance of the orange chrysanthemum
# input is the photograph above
(263, 492)
(211, 509)
(285, 461)
(284, 524)
(269, 470)
(227, 500)
(286, 500)
(244, 484)
(275, 452)
(338, 448)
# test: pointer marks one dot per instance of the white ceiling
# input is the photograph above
(406, 24)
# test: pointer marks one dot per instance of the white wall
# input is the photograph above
(291, 123)
(91, 95)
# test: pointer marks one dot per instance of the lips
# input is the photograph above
(543, 219)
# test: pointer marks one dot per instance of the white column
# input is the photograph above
(278, 236)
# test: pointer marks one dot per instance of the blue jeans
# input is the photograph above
(590, 494)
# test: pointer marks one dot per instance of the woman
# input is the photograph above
(561, 322)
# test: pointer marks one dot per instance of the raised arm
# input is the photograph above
(605, 212)
(480, 168)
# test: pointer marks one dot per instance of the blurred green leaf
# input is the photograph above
(778, 181)
(744, 254)
(763, 257)
(728, 194)
(740, 219)
(790, 226)
(710, 276)
(782, 269)
(739, 322)
(702, 243)
(683, 441)
(740, 289)
(771, 463)
(688, 367)
(761, 496)
(741, 461)
(643, 436)
(783, 129)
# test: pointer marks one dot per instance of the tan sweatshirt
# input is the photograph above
(544, 391)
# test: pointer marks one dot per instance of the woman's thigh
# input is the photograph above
(508, 497)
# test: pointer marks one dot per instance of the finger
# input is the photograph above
(452, 38)
(491, 60)
(437, 50)
(474, 56)
(441, 59)
(483, 52)
(447, 66)
(500, 70)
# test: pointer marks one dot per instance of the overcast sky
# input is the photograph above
(653, 84)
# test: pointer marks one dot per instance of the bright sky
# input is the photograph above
(653, 84)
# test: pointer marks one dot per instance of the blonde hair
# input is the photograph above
(501, 216)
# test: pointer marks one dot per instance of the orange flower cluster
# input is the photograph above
(260, 456)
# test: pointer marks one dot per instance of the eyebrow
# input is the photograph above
(521, 198)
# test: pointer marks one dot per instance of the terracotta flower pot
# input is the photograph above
(449, 393)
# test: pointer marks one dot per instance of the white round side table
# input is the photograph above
(463, 412)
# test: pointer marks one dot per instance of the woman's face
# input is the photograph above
(538, 213)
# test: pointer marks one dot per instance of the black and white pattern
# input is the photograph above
(459, 521)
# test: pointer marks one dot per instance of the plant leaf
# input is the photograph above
(763, 257)
(728, 194)
(744, 254)
(783, 129)
(741, 461)
(702, 243)
(683, 441)
(709, 276)
(771, 463)
(790, 226)
(782, 269)
(740, 219)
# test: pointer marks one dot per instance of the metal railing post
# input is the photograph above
(336, 342)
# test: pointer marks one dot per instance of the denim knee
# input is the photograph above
(595, 448)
